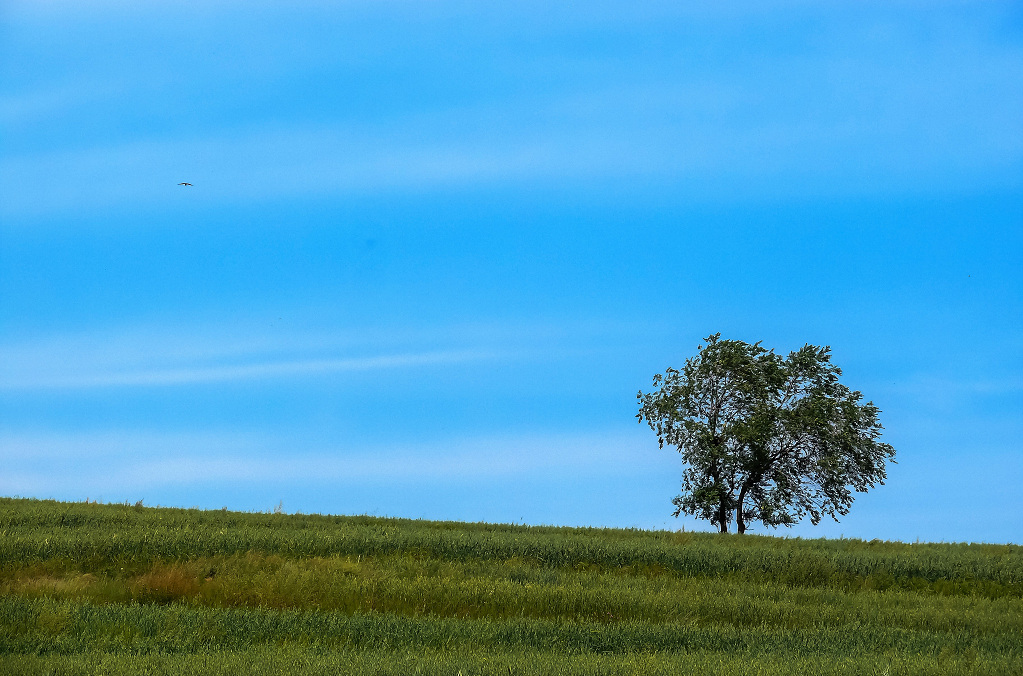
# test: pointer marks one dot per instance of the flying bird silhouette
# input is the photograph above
(184, 184)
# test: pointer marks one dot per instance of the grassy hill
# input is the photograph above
(116, 589)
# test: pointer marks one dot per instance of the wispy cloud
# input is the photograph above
(256, 371)
(610, 476)
(154, 356)
(878, 110)
(272, 163)
(119, 461)
(51, 100)
(693, 136)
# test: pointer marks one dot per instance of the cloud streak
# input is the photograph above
(138, 460)
(629, 142)
(229, 373)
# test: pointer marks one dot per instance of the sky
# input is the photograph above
(432, 250)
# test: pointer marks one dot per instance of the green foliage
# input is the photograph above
(89, 589)
(763, 437)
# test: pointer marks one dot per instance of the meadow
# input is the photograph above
(121, 589)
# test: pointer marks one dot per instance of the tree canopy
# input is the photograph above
(764, 437)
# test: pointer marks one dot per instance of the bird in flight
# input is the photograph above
(184, 184)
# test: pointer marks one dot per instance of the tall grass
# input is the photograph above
(99, 537)
(513, 588)
(122, 589)
(294, 661)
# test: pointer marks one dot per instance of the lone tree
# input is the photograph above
(765, 438)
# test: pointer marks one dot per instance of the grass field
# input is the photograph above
(117, 589)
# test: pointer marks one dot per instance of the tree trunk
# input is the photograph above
(740, 523)
(723, 515)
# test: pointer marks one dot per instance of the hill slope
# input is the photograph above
(88, 588)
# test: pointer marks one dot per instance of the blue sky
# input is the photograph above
(433, 250)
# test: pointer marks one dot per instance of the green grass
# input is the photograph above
(88, 588)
